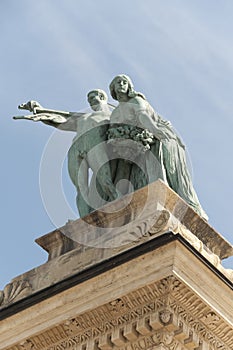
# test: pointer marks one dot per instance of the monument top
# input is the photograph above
(151, 216)
(142, 271)
(146, 273)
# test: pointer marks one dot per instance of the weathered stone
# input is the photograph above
(146, 280)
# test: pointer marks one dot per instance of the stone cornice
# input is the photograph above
(23, 288)
(152, 296)
(145, 275)
(122, 217)
(131, 222)
(165, 313)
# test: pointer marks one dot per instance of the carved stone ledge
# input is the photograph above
(133, 220)
(132, 296)
(143, 213)
(13, 291)
(165, 314)
(176, 227)
(56, 244)
(27, 345)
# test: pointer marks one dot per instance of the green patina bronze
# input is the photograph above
(88, 149)
(165, 156)
(126, 148)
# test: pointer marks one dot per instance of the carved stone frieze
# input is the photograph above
(162, 315)
(27, 345)
(140, 230)
(165, 316)
(161, 220)
(153, 211)
(13, 291)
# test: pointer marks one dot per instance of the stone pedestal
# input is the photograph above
(142, 273)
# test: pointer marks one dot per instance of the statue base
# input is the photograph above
(144, 271)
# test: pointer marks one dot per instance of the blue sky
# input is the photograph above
(179, 53)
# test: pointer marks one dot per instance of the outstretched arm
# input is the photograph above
(66, 123)
(58, 119)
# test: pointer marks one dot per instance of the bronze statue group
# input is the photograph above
(126, 147)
